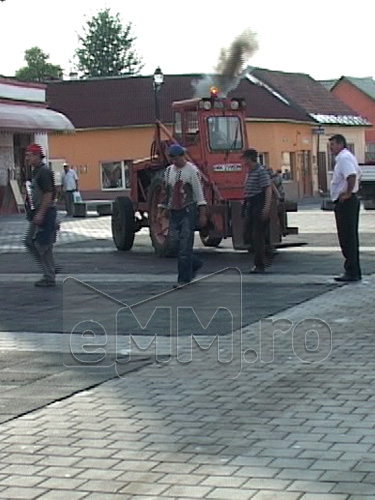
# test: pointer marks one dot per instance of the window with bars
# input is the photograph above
(370, 152)
(287, 169)
(264, 159)
(178, 126)
(191, 127)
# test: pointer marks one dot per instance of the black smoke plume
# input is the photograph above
(231, 63)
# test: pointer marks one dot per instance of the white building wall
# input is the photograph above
(18, 92)
(6, 157)
(42, 139)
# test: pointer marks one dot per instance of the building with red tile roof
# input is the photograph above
(114, 120)
(359, 94)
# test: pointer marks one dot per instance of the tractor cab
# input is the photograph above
(213, 131)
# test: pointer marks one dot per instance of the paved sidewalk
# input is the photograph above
(283, 430)
(73, 230)
(279, 426)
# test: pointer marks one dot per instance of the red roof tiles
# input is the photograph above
(129, 101)
(303, 91)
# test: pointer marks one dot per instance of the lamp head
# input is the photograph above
(158, 77)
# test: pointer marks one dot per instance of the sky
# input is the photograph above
(326, 39)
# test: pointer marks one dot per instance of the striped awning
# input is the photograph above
(340, 120)
(19, 117)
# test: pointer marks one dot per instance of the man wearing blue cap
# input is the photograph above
(183, 202)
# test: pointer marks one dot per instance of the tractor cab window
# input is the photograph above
(225, 133)
(191, 127)
(177, 126)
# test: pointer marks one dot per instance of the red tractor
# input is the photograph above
(213, 131)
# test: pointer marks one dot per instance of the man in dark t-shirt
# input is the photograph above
(41, 233)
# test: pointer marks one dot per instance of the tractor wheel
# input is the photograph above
(123, 223)
(210, 241)
(159, 232)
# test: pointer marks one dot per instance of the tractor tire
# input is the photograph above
(210, 241)
(159, 234)
(123, 223)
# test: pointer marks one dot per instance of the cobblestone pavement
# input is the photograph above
(310, 220)
(285, 420)
(73, 230)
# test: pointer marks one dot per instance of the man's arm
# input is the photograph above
(268, 185)
(47, 185)
(163, 206)
(199, 198)
(349, 190)
(76, 179)
(348, 169)
(196, 182)
(267, 203)
(46, 203)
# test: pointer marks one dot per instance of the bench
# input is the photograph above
(369, 204)
(327, 204)
(102, 207)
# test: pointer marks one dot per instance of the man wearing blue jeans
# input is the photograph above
(184, 203)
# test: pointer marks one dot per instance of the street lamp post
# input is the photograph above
(322, 174)
(158, 82)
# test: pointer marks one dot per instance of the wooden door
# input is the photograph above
(322, 172)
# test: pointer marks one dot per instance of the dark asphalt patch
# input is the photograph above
(30, 380)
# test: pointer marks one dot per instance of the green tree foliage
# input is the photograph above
(38, 69)
(106, 48)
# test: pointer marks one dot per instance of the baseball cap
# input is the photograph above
(35, 149)
(251, 153)
(176, 150)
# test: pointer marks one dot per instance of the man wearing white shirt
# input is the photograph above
(344, 186)
(69, 181)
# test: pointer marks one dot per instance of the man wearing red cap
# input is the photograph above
(41, 233)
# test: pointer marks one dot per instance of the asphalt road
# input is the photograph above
(105, 281)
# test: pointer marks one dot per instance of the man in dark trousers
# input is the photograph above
(69, 182)
(258, 196)
(41, 233)
(344, 186)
